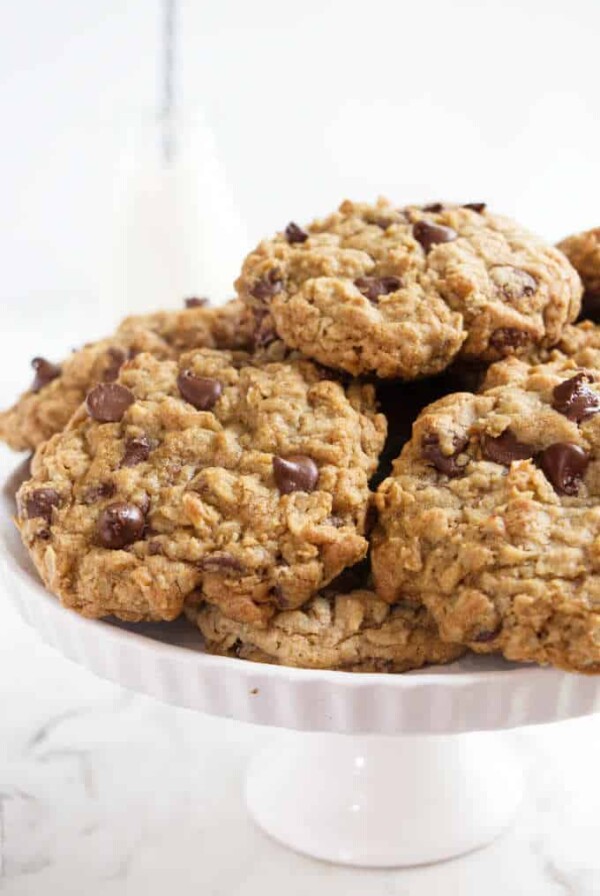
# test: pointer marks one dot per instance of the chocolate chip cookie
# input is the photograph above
(583, 251)
(57, 390)
(355, 632)
(402, 292)
(246, 482)
(579, 346)
(491, 518)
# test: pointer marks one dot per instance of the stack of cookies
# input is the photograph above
(383, 453)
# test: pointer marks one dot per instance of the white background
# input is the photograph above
(308, 102)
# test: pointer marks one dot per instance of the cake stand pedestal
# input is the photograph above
(391, 770)
(384, 801)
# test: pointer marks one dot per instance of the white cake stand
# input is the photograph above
(396, 770)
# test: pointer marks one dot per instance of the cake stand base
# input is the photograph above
(385, 801)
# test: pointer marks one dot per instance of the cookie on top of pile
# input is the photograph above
(384, 453)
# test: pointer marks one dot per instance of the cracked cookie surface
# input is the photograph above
(402, 292)
(491, 517)
(246, 482)
(356, 632)
(58, 390)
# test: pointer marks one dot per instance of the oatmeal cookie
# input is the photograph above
(58, 390)
(245, 481)
(492, 519)
(355, 632)
(402, 292)
(579, 346)
(583, 251)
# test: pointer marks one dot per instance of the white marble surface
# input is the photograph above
(106, 792)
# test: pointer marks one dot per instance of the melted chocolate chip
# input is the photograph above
(295, 473)
(222, 561)
(295, 234)
(201, 392)
(45, 372)
(117, 357)
(513, 283)
(445, 463)
(107, 402)
(575, 399)
(120, 524)
(136, 451)
(505, 448)
(97, 492)
(564, 464)
(269, 286)
(195, 302)
(433, 207)
(504, 339)
(39, 503)
(428, 234)
(478, 207)
(373, 287)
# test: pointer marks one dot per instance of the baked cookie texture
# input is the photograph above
(491, 518)
(58, 390)
(355, 632)
(373, 289)
(245, 481)
(583, 251)
(579, 346)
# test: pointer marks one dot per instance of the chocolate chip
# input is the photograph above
(117, 357)
(136, 451)
(195, 302)
(486, 635)
(564, 465)
(433, 207)
(279, 597)
(201, 392)
(45, 372)
(268, 287)
(505, 448)
(39, 503)
(97, 492)
(512, 282)
(222, 561)
(107, 402)
(575, 399)
(295, 473)
(372, 287)
(478, 207)
(445, 463)
(428, 234)
(154, 548)
(383, 223)
(506, 338)
(295, 234)
(120, 524)
(264, 331)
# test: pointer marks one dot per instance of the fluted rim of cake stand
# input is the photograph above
(475, 693)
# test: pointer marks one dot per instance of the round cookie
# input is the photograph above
(579, 346)
(58, 390)
(583, 251)
(402, 292)
(492, 519)
(355, 632)
(245, 481)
